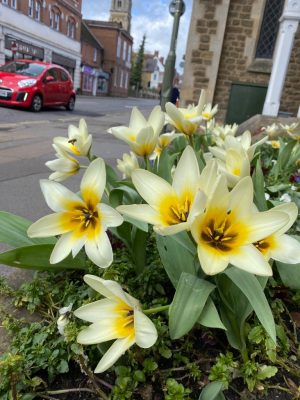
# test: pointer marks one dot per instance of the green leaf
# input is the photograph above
(259, 188)
(212, 391)
(139, 243)
(266, 371)
(183, 239)
(14, 231)
(289, 274)
(63, 367)
(210, 316)
(285, 153)
(123, 195)
(111, 176)
(251, 288)
(143, 226)
(188, 302)
(165, 164)
(37, 257)
(175, 258)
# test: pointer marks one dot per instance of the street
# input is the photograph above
(25, 146)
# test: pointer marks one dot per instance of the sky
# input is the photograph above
(151, 18)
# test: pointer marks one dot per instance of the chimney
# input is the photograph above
(161, 59)
(156, 53)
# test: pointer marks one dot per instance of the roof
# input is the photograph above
(107, 25)
(87, 36)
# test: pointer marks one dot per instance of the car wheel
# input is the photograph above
(71, 104)
(36, 103)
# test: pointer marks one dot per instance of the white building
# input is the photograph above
(157, 75)
(35, 39)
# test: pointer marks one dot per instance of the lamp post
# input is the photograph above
(176, 8)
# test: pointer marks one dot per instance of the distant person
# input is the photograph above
(175, 95)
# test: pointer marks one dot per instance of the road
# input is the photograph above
(25, 146)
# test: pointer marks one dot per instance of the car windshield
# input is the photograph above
(23, 68)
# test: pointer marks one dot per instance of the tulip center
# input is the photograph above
(221, 231)
(125, 324)
(264, 245)
(176, 211)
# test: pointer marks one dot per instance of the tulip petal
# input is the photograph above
(156, 120)
(99, 250)
(249, 259)
(137, 120)
(145, 331)
(264, 224)
(123, 133)
(96, 311)
(63, 247)
(57, 196)
(176, 116)
(212, 262)
(110, 217)
(151, 187)
(241, 197)
(186, 182)
(47, 226)
(93, 182)
(292, 211)
(287, 250)
(109, 289)
(172, 229)
(141, 212)
(117, 349)
(99, 332)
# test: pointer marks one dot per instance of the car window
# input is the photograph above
(64, 75)
(52, 72)
(23, 68)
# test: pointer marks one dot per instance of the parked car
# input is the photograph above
(36, 84)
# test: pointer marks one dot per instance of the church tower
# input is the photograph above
(121, 12)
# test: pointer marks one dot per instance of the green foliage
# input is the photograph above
(137, 68)
(223, 369)
(176, 391)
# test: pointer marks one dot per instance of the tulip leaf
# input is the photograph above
(212, 391)
(259, 188)
(209, 316)
(284, 154)
(139, 244)
(252, 289)
(164, 165)
(188, 302)
(183, 239)
(175, 258)
(14, 231)
(111, 176)
(289, 274)
(123, 195)
(37, 258)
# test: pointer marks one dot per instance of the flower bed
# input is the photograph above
(179, 281)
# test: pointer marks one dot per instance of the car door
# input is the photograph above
(64, 86)
(51, 87)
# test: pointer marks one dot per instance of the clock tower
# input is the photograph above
(120, 12)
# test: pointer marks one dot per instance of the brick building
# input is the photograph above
(46, 30)
(94, 81)
(230, 52)
(117, 44)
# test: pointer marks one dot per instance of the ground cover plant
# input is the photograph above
(180, 280)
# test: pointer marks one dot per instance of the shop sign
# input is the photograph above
(22, 47)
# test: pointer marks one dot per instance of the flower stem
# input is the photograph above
(191, 140)
(156, 309)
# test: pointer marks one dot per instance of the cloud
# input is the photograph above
(150, 18)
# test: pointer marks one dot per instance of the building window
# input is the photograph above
(129, 54)
(88, 82)
(55, 19)
(116, 77)
(124, 50)
(126, 80)
(119, 47)
(37, 10)
(71, 28)
(121, 79)
(119, 4)
(95, 55)
(14, 4)
(4, 1)
(30, 8)
(269, 29)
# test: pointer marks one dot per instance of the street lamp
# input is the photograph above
(176, 8)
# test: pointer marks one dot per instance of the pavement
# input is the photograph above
(26, 144)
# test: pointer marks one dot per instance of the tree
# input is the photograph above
(137, 69)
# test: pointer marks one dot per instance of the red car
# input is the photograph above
(35, 84)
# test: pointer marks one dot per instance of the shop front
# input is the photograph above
(68, 63)
(94, 81)
(16, 48)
